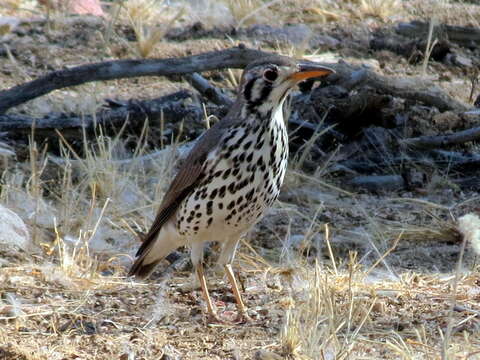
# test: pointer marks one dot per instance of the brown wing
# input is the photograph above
(185, 181)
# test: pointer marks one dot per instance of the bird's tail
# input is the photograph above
(155, 251)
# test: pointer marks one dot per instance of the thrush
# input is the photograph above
(231, 176)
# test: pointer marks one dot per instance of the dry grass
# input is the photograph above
(377, 283)
(150, 21)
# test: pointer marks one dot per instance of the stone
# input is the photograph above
(291, 34)
(14, 234)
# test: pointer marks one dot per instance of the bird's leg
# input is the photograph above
(196, 255)
(203, 283)
(242, 310)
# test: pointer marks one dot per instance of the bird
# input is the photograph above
(230, 177)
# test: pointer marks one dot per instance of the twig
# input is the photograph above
(208, 90)
(430, 44)
(459, 137)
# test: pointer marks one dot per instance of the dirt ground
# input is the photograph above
(330, 273)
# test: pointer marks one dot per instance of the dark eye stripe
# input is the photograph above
(248, 89)
(266, 90)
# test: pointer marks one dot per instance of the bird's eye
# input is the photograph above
(270, 75)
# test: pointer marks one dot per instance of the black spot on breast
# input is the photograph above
(213, 193)
(220, 205)
(235, 171)
(197, 206)
(279, 182)
(231, 188)
(250, 157)
(242, 184)
(242, 139)
(198, 215)
(249, 194)
(259, 144)
(209, 221)
(223, 190)
(209, 207)
(272, 137)
(231, 205)
(270, 188)
(226, 174)
(247, 145)
(195, 228)
(240, 199)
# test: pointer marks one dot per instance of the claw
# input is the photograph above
(243, 318)
(213, 318)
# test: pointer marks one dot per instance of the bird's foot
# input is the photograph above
(213, 318)
(243, 318)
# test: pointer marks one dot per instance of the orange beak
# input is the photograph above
(310, 70)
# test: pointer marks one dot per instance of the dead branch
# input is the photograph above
(413, 50)
(237, 57)
(414, 89)
(465, 36)
(456, 138)
(209, 91)
(172, 107)
(433, 158)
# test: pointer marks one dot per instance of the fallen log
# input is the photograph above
(237, 57)
(462, 35)
(413, 50)
(172, 107)
(415, 89)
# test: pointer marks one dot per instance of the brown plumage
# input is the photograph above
(231, 176)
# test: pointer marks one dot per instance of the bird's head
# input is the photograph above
(265, 83)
